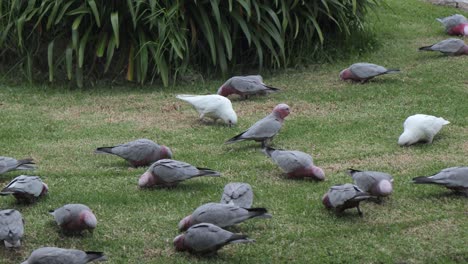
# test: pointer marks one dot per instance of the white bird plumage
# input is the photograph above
(420, 128)
(212, 106)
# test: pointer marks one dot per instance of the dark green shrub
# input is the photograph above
(148, 39)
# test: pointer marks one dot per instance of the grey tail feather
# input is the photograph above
(208, 172)
(273, 89)
(104, 150)
(51, 212)
(350, 171)
(392, 71)
(440, 20)
(427, 48)
(267, 150)
(239, 238)
(8, 191)
(235, 139)
(26, 167)
(423, 179)
(95, 256)
(26, 161)
(259, 212)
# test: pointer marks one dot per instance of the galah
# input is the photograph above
(362, 72)
(140, 152)
(342, 197)
(454, 178)
(296, 164)
(455, 25)
(246, 86)
(74, 218)
(26, 188)
(207, 239)
(222, 215)
(168, 173)
(9, 164)
(54, 255)
(420, 128)
(11, 228)
(375, 183)
(238, 193)
(452, 46)
(212, 106)
(265, 129)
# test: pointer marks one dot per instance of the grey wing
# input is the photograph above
(174, 170)
(452, 21)
(291, 160)
(206, 236)
(248, 84)
(62, 215)
(449, 45)
(340, 194)
(367, 70)
(239, 194)
(26, 184)
(52, 255)
(265, 128)
(365, 179)
(135, 150)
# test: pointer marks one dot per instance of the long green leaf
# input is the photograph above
(94, 9)
(50, 60)
(115, 27)
(69, 61)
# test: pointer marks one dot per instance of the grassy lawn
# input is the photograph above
(341, 124)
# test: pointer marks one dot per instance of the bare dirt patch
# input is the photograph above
(461, 4)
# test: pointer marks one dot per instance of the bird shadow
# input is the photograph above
(447, 194)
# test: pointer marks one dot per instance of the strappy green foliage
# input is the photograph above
(148, 39)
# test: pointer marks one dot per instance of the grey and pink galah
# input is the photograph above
(74, 218)
(54, 255)
(11, 228)
(420, 128)
(9, 164)
(212, 106)
(222, 215)
(265, 129)
(296, 164)
(455, 25)
(140, 152)
(375, 183)
(207, 239)
(246, 86)
(168, 173)
(26, 189)
(452, 47)
(238, 193)
(454, 178)
(363, 71)
(342, 197)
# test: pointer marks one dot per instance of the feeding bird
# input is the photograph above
(296, 164)
(238, 193)
(11, 228)
(246, 86)
(207, 239)
(265, 129)
(26, 189)
(375, 183)
(74, 218)
(454, 178)
(455, 24)
(342, 197)
(168, 173)
(212, 106)
(362, 72)
(452, 46)
(420, 128)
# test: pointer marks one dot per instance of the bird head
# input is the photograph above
(185, 223)
(179, 243)
(281, 110)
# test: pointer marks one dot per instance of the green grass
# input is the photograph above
(341, 124)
